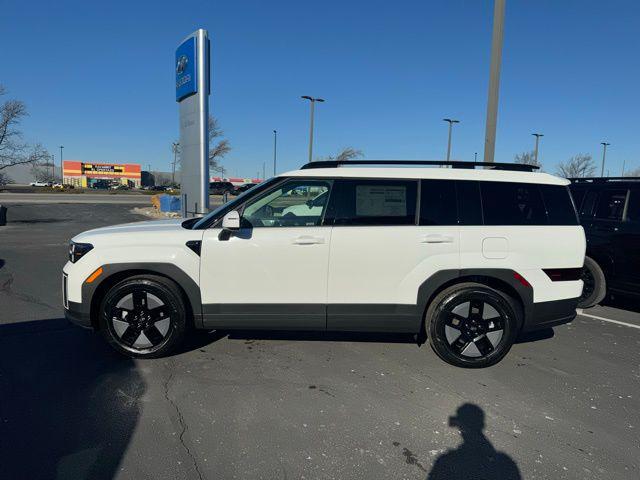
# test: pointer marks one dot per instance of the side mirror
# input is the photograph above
(231, 221)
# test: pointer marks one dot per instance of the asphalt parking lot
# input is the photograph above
(562, 404)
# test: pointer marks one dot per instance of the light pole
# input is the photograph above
(175, 147)
(61, 168)
(53, 168)
(313, 102)
(535, 152)
(623, 164)
(264, 173)
(275, 150)
(494, 81)
(451, 122)
(604, 156)
(475, 157)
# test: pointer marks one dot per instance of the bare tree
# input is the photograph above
(347, 153)
(633, 173)
(13, 150)
(218, 149)
(578, 166)
(45, 172)
(527, 158)
(5, 179)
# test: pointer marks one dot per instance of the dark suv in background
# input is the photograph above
(609, 210)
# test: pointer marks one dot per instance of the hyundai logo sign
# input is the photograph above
(182, 64)
(186, 75)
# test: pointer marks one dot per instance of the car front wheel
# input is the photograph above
(472, 325)
(143, 316)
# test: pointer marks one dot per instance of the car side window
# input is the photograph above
(438, 202)
(373, 202)
(296, 203)
(611, 204)
(469, 203)
(633, 210)
(510, 203)
(586, 210)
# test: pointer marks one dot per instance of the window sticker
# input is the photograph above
(381, 201)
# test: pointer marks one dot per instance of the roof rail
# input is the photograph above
(604, 179)
(520, 167)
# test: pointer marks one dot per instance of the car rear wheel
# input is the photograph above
(595, 284)
(472, 325)
(143, 316)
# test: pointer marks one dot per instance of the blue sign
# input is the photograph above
(186, 71)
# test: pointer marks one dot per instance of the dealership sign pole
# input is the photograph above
(192, 95)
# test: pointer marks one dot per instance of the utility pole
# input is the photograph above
(264, 173)
(53, 168)
(535, 152)
(604, 156)
(623, 164)
(494, 81)
(451, 122)
(275, 150)
(313, 102)
(61, 167)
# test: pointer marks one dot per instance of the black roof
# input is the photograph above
(442, 163)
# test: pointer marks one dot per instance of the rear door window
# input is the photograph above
(507, 203)
(373, 202)
(469, 203)
(559, 206)
(611, 204)
(586, 210)
(633, 210)
(438, 202)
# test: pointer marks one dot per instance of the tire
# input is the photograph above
(471, 325)
(595, 284)
(143, 316)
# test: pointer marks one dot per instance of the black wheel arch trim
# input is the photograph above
(493, 277)
(114, 272)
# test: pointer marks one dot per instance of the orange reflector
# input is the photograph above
(94, 275)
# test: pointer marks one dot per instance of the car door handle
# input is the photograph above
(308, 240)
(436, 238)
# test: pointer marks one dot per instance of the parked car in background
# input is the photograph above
(220, 188)
(40, 184)
(609, 210)
(243, 188)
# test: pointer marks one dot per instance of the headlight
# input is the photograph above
(78, 250)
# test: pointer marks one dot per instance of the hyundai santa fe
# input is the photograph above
(467, 258)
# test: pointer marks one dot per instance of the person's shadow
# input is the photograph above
(475, 458)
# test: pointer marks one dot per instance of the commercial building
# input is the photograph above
(101, 175)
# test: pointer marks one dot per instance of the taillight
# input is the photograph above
(521, 279)
(563, 274)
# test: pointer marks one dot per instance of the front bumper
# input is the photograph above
(550, 314)
(76, 313)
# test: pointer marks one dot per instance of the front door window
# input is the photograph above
(298, 203)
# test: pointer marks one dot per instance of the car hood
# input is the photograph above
(136, 228)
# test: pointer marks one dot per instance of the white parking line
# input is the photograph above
(581, 312)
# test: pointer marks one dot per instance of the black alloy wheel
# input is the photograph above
(143, 316)
(472, 325)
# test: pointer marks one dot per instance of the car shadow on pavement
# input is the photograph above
(475, 457)
(69, 404)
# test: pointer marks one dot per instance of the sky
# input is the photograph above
(98, 78)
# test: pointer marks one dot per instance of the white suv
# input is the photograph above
(468, 257)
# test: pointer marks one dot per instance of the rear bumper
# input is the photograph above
(75, 313)
(549, 314)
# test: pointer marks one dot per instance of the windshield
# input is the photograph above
(227, 207)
